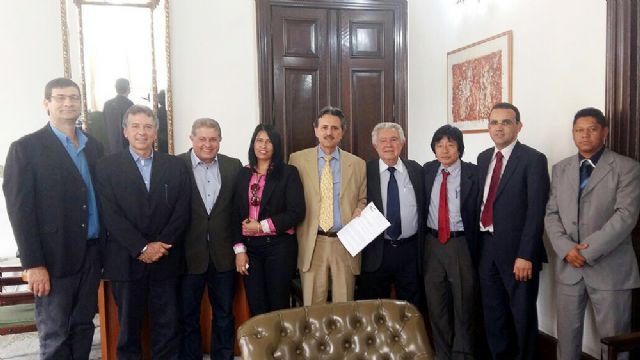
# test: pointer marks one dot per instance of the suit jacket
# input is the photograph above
(114, 111)
(519, 206)
(353, 193)
(605, 215)
(469, 190)
(47, 202)
(216, 227)
(372, 253)
(134, 217)
(282, 200)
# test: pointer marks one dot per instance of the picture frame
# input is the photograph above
(479, 75)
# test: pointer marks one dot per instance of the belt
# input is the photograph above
(328, 233)
(400, 242)
(452, 234)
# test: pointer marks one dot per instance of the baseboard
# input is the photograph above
(548, 345)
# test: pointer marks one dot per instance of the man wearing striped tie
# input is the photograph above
(590, 215)
(335, 191)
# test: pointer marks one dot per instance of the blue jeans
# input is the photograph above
(221, 289)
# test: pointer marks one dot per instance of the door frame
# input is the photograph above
(265, 64)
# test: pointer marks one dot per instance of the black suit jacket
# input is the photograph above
(372, 253)
(215, 226)
(47, 202)
(134, 217)
(519, 207)
(114, 111)
(469, 190)
(282, 200)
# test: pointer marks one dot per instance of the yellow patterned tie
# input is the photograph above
(326, 195)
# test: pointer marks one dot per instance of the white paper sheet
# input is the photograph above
(360, 231)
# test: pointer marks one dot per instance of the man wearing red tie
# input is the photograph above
(514, 179)
(451, 193)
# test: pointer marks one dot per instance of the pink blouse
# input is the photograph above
(254, 210)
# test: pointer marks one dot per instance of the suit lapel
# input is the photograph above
(130, 167)
(345, 173)
(269, 185)
(512, 164)
(465, 184)
(603, 167)
(429, 178)
(374, 181)
(194, 184)
(59, 152)
(572, 171)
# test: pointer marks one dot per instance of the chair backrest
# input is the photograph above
(367, 329)
(16, 306)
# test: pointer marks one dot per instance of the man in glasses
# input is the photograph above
(49, 190)
(335, 191)
(208, 244)
(591, 213)
(514, 188)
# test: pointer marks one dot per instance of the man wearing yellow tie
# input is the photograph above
(335, 191)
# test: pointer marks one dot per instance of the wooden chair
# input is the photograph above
(16, 307)
(621, 343)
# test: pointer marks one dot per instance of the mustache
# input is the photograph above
(328, 137)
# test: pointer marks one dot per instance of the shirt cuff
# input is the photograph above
(239, 248)
(267, 226)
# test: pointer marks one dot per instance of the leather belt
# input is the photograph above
(452, 234)
(400, 242)
(328, 233)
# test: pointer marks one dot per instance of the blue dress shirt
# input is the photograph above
(144, 166)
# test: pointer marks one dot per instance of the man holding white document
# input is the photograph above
(395, 186)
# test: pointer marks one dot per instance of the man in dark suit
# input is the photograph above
(515, 182)
(145, 198)
(114, 110)
(395, 186)
(208, 244)
(451, 190)
(52, 207)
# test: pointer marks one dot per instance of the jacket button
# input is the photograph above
(82, 225)
(84, 207)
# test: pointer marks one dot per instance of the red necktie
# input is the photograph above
(443, 211)
(487, 213)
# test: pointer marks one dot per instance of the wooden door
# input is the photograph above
(333, 52)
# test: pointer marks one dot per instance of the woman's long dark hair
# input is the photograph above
(277, 159)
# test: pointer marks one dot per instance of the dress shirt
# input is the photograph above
(506, 153)
(408, 204)
(335, 169)
(144, 166)
(453, 198)
(207, 178)
(80, 160)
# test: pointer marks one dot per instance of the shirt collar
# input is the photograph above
(195, 160)
(137, 157)
(82, 138)
(453, 169)
(594, 159)
(335, 154)
(399, 165)
(506, 152)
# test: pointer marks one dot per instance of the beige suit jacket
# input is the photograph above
(353, 194)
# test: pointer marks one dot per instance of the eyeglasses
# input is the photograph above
(62, 98)
(505, 122)
(255, 200)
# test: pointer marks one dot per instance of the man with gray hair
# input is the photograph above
(145, 206)
(395, 186)
(113, 111)
(208, 244)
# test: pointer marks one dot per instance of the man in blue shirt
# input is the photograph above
(52, 207)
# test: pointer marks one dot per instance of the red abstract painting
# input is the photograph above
(476, 86)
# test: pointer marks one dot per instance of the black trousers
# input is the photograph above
(158, 298)
(65, 317)
(400, 267)
(272, 263)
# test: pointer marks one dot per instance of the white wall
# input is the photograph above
(558, 68)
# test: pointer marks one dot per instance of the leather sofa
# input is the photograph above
(367, 329)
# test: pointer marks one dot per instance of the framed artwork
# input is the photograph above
(479, 75)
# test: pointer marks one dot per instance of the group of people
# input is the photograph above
(161, 227)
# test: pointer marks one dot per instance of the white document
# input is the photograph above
(360, 231)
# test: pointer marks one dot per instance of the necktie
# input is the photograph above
(586, 168)
(443, 210)
(487, 213)
(393, 206)
(326, 195)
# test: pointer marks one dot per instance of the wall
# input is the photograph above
(558, 68)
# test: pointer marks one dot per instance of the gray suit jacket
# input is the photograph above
(217, 225)
(606, 213)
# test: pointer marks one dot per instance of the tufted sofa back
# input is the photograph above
(367, 329)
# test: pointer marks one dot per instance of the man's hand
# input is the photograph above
(155, 250)
(242, 263)
(38, 279)
(356, 213)
(574, 258)
(523, 269)
(251, 226)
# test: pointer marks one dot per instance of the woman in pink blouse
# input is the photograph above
(268, 204)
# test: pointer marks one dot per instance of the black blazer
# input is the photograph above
(47, 202)
(134, 217)
(215, 226)
(282, 200)
(469, 190)
(519, 207)
(372, 253)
